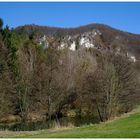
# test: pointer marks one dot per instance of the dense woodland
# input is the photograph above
(46, 84)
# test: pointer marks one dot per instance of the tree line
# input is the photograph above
(44, 84)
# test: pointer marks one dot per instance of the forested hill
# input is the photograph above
(66, 76)
(110, 37)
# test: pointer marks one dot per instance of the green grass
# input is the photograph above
(127, 126)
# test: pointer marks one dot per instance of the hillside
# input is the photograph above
(98, 36)
(72, 76)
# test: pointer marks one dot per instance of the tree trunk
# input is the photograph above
(101, 119)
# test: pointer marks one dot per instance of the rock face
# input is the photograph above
(96, 36)
(91, 39)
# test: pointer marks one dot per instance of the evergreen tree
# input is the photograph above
(1, 24)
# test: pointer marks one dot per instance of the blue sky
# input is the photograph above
(121, 15)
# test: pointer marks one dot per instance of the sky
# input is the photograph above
(121, 15)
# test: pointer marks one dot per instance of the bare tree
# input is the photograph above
(27, 56)
(111, 86)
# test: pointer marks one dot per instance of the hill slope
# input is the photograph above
(63, 75)
(97, 35)
(127, 126)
